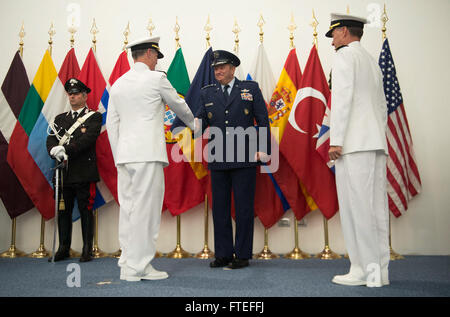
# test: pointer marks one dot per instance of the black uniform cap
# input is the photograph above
(224, 57)
(75, 86)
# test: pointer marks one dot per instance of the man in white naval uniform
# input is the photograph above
(135, 125)
(358, 145)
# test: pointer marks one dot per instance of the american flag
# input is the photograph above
(402, 172)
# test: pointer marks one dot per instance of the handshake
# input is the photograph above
(59, 152)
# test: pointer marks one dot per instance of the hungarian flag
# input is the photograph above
(12, 96)
(298, 144)
(98, 98)
(402, 172)
(270, 202)
(183, 189)
(19, 158)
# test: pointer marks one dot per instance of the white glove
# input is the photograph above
(56, 149)
(61, 155)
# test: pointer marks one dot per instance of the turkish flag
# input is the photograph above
(298, 144)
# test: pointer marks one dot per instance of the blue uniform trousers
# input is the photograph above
(242, 182)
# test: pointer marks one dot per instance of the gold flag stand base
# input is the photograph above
(159, 254)
(179, 253)
(40, 253)
(12, 253)
(266, 254)
(205, 254)
(327, 254)
(297, 254)
(97, 253)
(395, 255)
(74, 254)
(116, 254)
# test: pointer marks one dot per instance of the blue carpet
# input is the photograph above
(415, 276)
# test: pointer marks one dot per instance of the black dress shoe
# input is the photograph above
(220, 262)
(60, 255)
(238, 264)
(85, 257)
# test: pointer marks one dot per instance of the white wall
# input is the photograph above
(418, 32)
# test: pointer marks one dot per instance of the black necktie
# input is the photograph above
(225, 92)
(75, 116)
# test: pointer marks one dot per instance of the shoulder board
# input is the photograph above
(249, 82)
(207, 86)
(341, 47)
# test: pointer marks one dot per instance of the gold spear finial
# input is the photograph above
(150, 26)
(260, 24)
(126, 33)
(21, 36)
(348, 9)
(292, 27)
(384, 19)
(314, 23)
(236, 30)
(176, 30)
(94, 31)
(208, 28)
(72, 30)
(51, 33)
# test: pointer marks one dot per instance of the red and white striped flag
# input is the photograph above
(402, 172)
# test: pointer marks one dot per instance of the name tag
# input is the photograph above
(209, 104)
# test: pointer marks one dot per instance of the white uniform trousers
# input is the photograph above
(363, 207)
(141, 192)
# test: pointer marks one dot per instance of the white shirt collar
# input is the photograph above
(79, 111)
(231, 84)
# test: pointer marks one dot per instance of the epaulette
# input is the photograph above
(341, 47)
(207, 86)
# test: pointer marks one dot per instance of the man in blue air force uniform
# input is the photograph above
(230, 109)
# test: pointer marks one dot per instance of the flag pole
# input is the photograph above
(96, 251)
(265, 254)
(236, 30)
(206, 253)
(296, 253)
(327, 253)
(13, 252)
(393, 255)
(41, 252)
(178, 252)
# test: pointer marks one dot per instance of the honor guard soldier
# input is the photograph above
(73, 140)
(358, 145)
(231, 108)
(135, 125)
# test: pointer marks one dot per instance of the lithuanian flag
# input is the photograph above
(22, 163)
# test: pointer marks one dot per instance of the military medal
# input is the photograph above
(246, 96)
